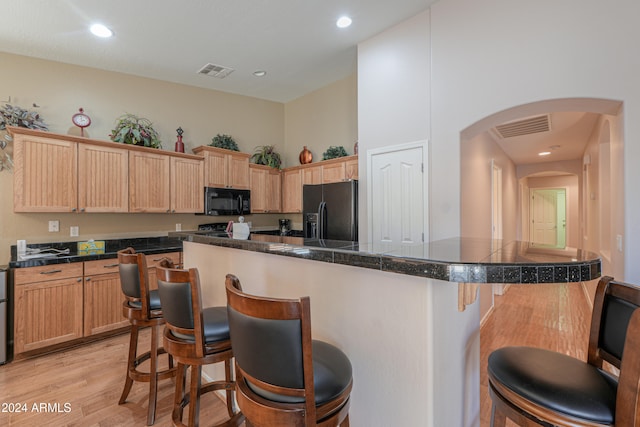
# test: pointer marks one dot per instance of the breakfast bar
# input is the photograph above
(403, 315)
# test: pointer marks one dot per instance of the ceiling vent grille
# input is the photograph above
(214, 70)
(525, 127)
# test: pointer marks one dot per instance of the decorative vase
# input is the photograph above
(305, 156)
(179, 143)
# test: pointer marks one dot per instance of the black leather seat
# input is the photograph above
(194, 336)
(538, 386)
(285, 377)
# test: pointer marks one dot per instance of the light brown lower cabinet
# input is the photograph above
(60, 303)
(48, 306)
(102, 297)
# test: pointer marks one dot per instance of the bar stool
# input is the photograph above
(142, 307)
(194, 336)
(533, 386)
(284, 378)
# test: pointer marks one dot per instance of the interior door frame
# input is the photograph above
(424, 144)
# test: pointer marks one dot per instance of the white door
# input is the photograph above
(544, 214)
(397, 195)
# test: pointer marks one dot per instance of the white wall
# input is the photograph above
(490, 56)
(393, 93)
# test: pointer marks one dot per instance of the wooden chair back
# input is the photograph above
(271, 341)
(134, 281)
(615, 338)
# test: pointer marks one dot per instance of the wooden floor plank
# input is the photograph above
(90, 378)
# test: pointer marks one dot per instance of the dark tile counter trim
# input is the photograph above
(145, 245)
(479, 272)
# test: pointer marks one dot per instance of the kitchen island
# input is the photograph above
(393, 310)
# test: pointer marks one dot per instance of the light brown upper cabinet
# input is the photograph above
(340, 169)
(165, 184)
(265, 189)
(65, 173)
(224, 168)
(45, 177)
(292, 190)
(60, 175)
(103, 179)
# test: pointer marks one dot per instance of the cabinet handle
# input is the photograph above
(82, 210)
(168, 210)
(88, 279)
(111, 265)
(73, 209)
(78, 280)
(51, 272)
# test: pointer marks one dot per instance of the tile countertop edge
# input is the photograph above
(145, 245)
(457, 272)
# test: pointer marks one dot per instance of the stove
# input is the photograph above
(214, 226)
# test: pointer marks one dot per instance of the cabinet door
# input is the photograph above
(292, 191)
(312, 175)
(187, 185)
(149, 182)
(334, 172)
(45, 175)
(274, 191)
(351, 168)
(47, 313)
(239, 171)
(103, 297)
(103, 179)
(258, 179)
(216, 169)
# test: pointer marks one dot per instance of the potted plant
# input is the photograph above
(19, 117)
(224, 141)
(131, 129)
(266, 155)
(334, 152)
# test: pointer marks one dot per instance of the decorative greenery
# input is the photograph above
(266, 155)
(16, 116)
(19, 117)
(224, 141)
(134, 130)
(334, 152)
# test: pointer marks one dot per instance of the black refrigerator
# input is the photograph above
(330, 211)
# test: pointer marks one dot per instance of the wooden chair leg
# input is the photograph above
(133, 348)
(179, 393)
(498, 419)
(153, 376)
(194, 395)
(345, 422)
(228, 377)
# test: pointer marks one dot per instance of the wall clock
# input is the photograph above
(81, 120)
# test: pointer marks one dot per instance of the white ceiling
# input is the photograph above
(566, 140)
(295, 41)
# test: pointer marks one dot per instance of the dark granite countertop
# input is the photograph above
(462, 260)
(146, 245)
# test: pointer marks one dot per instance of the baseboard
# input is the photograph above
(487, 315)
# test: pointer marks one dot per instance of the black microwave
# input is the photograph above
(226, 201)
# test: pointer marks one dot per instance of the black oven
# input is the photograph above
(226, 201)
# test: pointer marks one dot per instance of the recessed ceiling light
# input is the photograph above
(544, 153)
(343, 22)
(260, 73)
(100, 30)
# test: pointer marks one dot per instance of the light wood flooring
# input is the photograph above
(90, 378)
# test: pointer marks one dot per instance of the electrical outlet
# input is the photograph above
(54, 226)
(178, 227)
(74, 231)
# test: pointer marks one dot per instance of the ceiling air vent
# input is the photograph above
(214, 70)
(524, 127)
